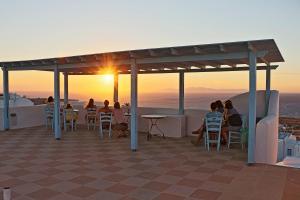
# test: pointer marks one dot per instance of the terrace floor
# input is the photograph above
(80, 166)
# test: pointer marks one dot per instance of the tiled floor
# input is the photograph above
(81, 166)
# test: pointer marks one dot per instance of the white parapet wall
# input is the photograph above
(266, 145)
(23, 117)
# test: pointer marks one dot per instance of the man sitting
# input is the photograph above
(105, 109)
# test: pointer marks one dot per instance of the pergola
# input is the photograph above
(221, 57)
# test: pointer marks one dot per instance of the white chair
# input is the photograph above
(70, 119)
(234, 133)
(105, 119)
(213, 127)
(49, 114)
(91, 118)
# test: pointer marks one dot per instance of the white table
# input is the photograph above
(154, 123)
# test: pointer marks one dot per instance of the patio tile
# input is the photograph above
(47, 181)
(142, 193)
(82, 179)
(179, 173)
(12, 182)
(195, 183)
(148, 175)
(82, 192)
(43, 193)
(180, 190)
(206, 194)
(100, 184)
(120, 188)
(173, 168)
(105, 195)
(115, 177)
(26, 188)
(156, 186)
(220, 179)
(166, 196)
(64, 186)
(135, 181)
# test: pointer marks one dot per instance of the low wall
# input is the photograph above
(266, 144)
(23, 117)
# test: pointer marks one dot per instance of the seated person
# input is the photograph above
(69, 114)
(120, 120)
(220, 106)
(50, 104)
(91, 105)
(105, 109)
(50, 100)
(202, 129)
(91, 109)
(232, 118)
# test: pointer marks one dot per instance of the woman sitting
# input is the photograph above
(70, 116)
(120, 120)
(233, 121)
(91, 115)
(91, 105)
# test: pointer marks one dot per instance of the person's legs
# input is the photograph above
(200, 132)
(224, 132)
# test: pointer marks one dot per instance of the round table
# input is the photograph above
(154, 123)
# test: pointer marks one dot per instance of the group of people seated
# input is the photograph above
(120, 122)
(231, 120)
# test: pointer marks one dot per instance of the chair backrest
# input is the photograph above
(213, 122)
(105, 117)
(91, 113)
(244, 121)
(69, 114)
(49, 111)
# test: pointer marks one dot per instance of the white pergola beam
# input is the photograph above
(154, 60)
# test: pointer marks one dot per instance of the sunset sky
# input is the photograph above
(35, 29)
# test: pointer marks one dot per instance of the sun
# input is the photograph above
(108, 78)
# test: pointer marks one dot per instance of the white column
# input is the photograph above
(116, 87)
(133, 121)
(66, 88)
(57, 130)
(268, 88)
(181, 93)
(5, 99)
(252, 107)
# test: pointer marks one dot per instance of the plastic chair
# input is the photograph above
(91, 118)
(234, 133)
(106, 120)
(49, 113)
(213, 127)
(70, 119)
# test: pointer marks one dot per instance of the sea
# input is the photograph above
(289, 104)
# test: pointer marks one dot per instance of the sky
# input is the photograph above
(35, 29)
